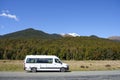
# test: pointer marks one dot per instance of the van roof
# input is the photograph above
(41, 56)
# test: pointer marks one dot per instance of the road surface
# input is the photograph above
(74, 75)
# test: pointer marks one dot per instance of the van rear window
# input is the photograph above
(31, 60)
(39, 60)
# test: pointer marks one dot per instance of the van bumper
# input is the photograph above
(67, 68)
(27, 69)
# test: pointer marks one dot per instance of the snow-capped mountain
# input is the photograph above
(114, 38)
(70, 34)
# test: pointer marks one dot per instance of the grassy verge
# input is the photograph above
(93, 65)
(17, 65)
(11, 65)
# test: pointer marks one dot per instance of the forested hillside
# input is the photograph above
(67, 48)
(31, 33)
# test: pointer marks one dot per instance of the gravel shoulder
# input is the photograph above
(58, 74)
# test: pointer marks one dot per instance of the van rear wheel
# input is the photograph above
(33, 69)
(62, 69)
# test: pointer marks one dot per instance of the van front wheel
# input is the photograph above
(33, 69)
(62, 69)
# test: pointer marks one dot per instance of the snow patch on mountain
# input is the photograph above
(70, 34)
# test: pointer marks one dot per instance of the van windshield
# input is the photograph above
(58, 61)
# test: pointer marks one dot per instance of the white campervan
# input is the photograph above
(44, 63)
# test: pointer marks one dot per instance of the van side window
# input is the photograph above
(50, 60)
(44, 60)
(39, 60)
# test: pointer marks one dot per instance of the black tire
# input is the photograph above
(62, 69)
(33, 69)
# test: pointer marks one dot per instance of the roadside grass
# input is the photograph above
(95, 65)
(11, 65)
(89, 65)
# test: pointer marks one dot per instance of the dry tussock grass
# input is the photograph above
(17, 65)
(11, 65)
(94, 65)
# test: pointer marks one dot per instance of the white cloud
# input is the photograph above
(8, 15)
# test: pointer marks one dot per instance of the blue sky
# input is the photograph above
(84, 17)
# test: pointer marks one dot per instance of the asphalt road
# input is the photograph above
(74, 75)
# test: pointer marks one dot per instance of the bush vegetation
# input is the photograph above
(67, 48)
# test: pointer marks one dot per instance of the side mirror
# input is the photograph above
(60, 62)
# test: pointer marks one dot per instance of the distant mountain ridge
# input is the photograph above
(114, 38)
(31, 33)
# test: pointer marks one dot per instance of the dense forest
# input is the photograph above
(66, 48)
